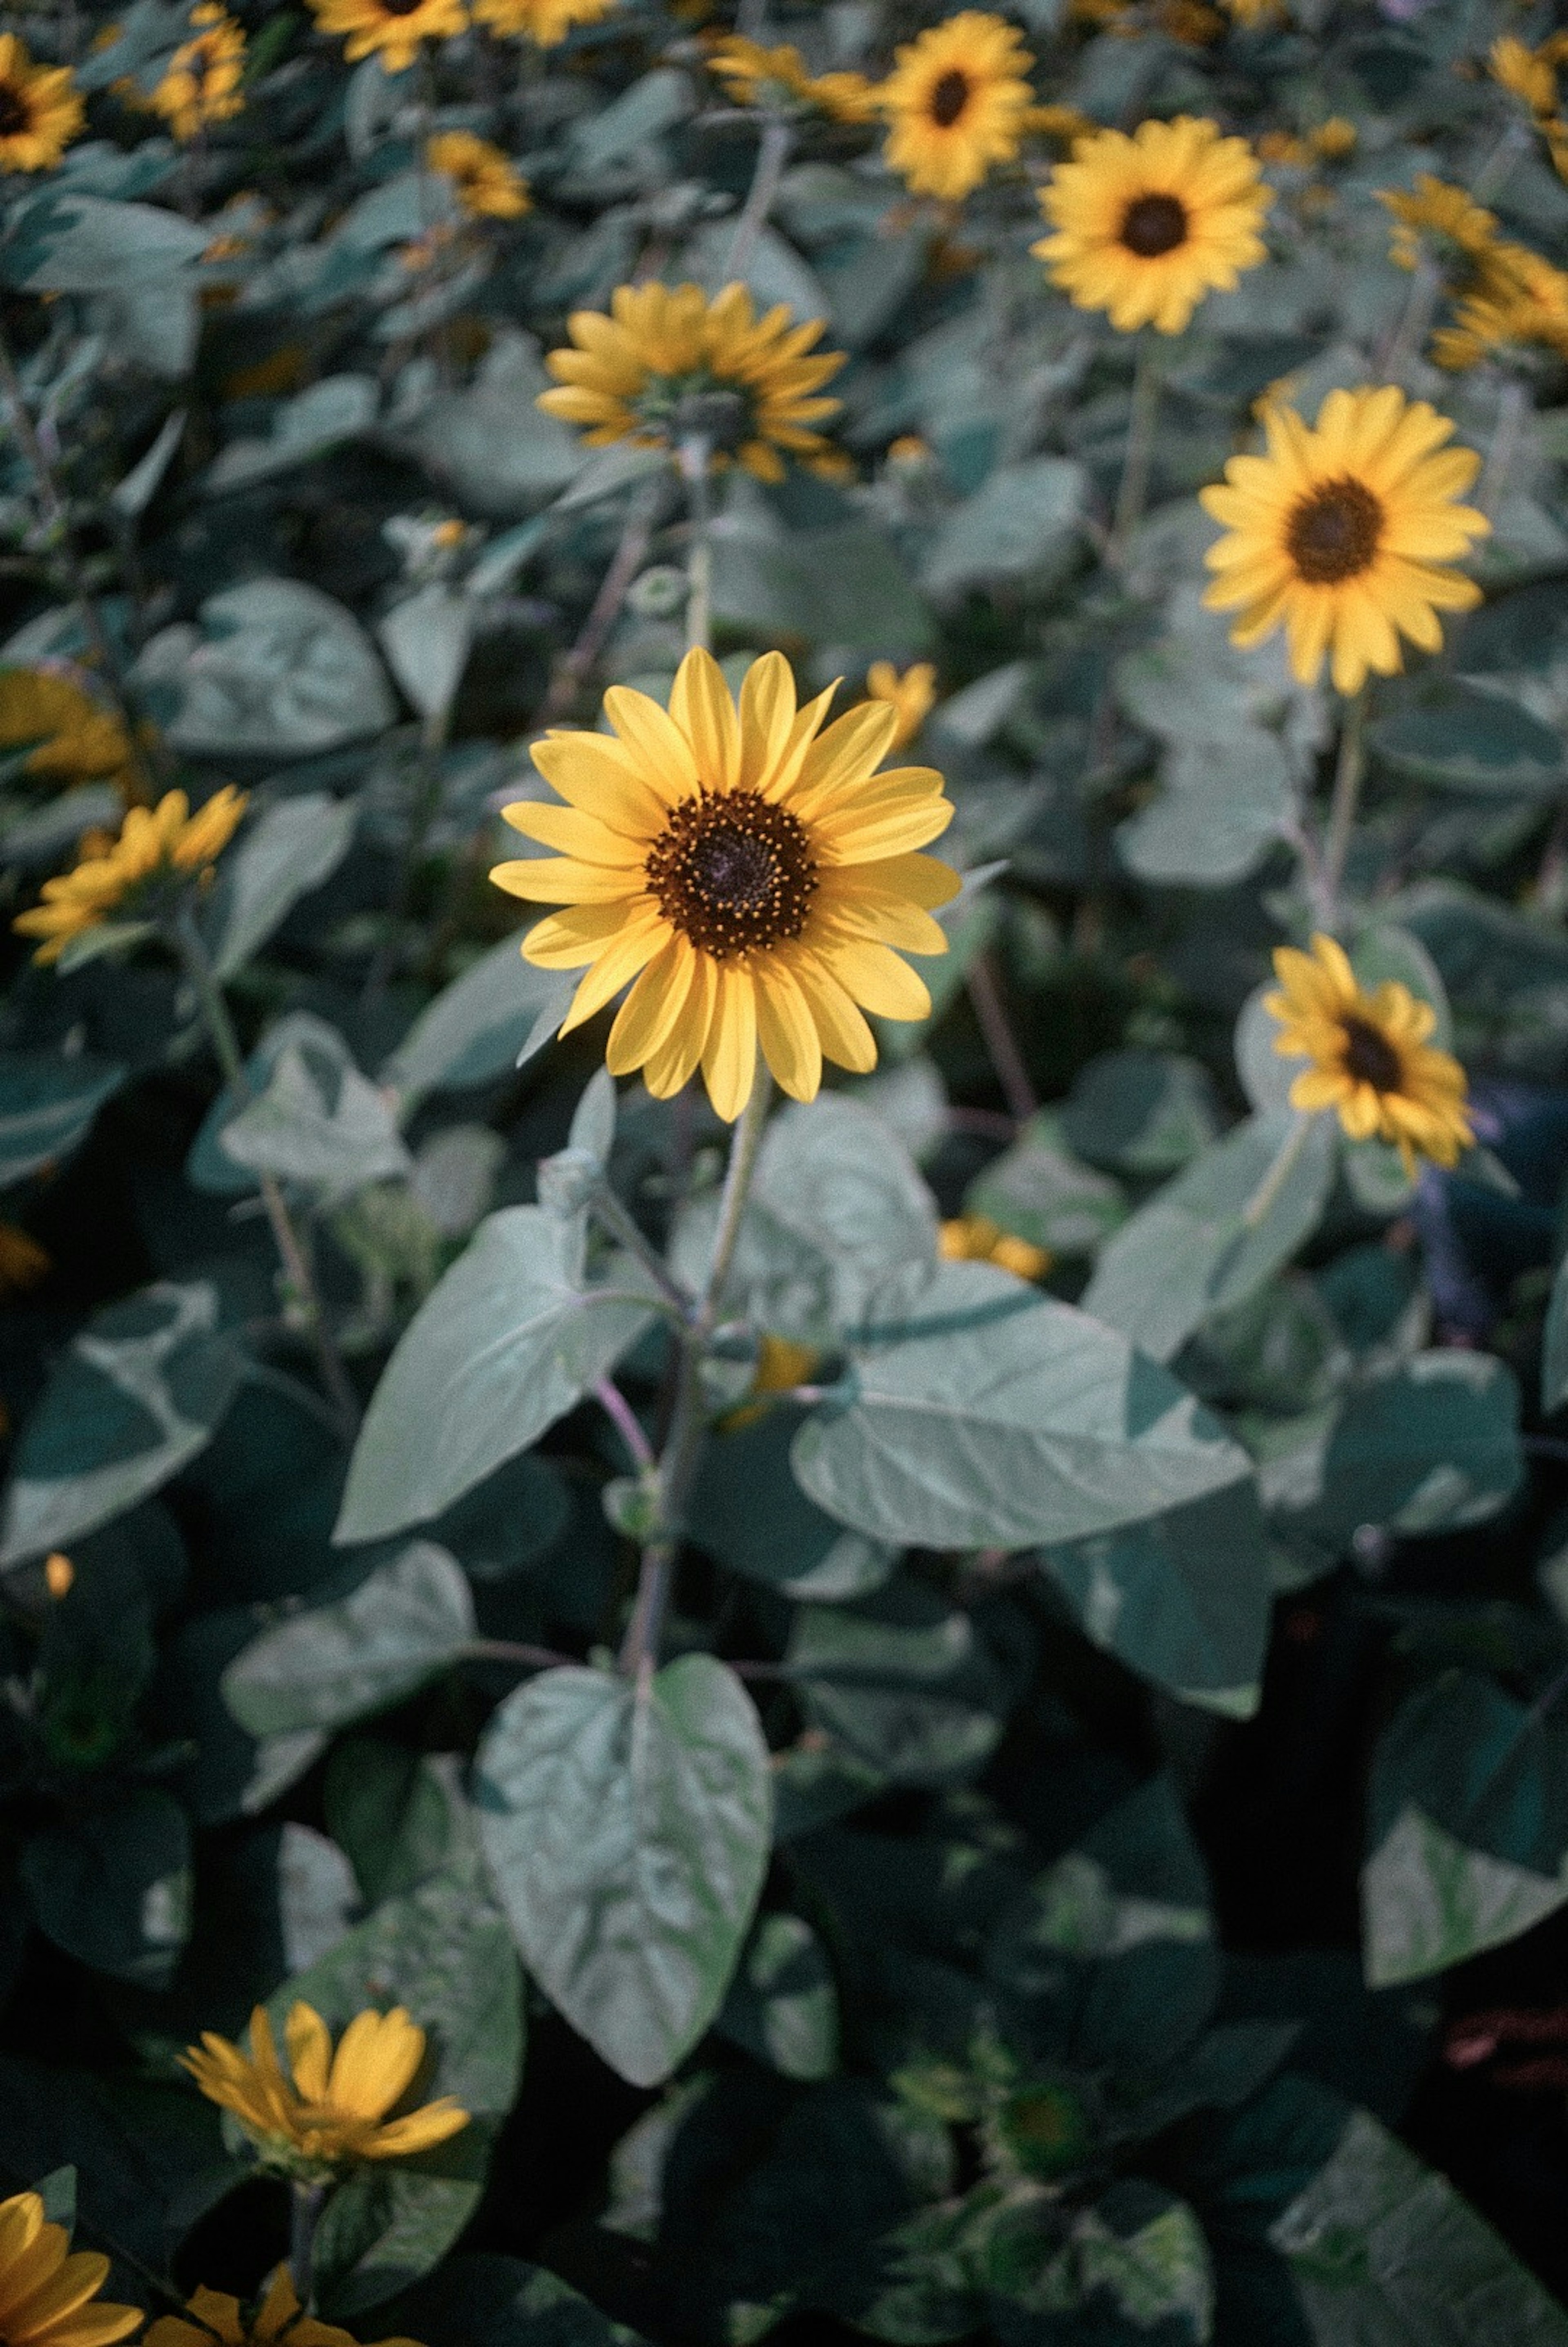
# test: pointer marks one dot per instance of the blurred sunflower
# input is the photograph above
(49, 2295)
(777, 77)
(975, 1238)
(334, 2107)
(545, 22)
(750, 872)
(156, 851)
(669, 365)
(1146, 226)
(911, 696)
(1370, 1060)
(74, 740)
(279, 2321)
(1342, 534)
(202, 86)
(488, 184)
(1445, 218)
(1519, 301)
(394, 30)
(41, 110)
(957, 101)
(1530, 74)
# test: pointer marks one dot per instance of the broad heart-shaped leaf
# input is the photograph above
(1429, 1449)
(499, 1011)
(404, 1622)
(1384, 2253)
(112, 1887)
(627, 1832)
(1464, 739)
(1191, 1251)
(1020, 521)
(319, 1123)
(507, 1342)
(82, 244)
(980, 1414)
(1184, 1598)
(276, 669)
(297, 843)
(782, 2005)
(136, 1394)
(1468, 1827)
(47, 1104)
(1220, 808)
(1142, 1113)
(444, 1952)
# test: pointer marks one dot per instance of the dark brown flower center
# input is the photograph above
(949, 98)
(733, 873)
(15, 113)
(1333, 533)
(1369, 1056)
(400, 7)
(1153, 224)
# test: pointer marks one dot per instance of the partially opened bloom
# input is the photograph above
(1145, 227)
(670, 365)
(487, 183)
(545, 22)
(1342, 533)
(74, 739)
(202, 86)
(41, 110)
(1370, 1060)
(395, 32)
(1435, 216)
(754, 875)
(330, 2108)
(1519, 301)
(278, 2322)
(49, 2293)
(957, 100)
(779, 77)
(140, 873)
(909, 694)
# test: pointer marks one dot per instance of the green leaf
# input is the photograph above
(1468, 1827)
(627, 1832)
(1464, 739)
(276, 669)
(318, 1122)
(112, 1887)
(389, 1811)
(444, 1954)
(846, 586)
(1192, 1251)
(747, 1510)
(149, 2157)
(1141, 1114)
(1184, 1598)
(47, 1104)
(490, 442)
(1022, 520)
(1554, 1345)
(1220, 808)
(138, 1393)
(485, 2299)
(490, 1020)
(1429, 1449)
(340, 407)
(902, 1680)
(296, 843)
(1383, 2251)
(651, 106)
(1039, 1191)
(835, 1178)
(508, 1341)
(426, 640)
(405, 1621)
(782, 2005)
(84, 244)
(980, 1414)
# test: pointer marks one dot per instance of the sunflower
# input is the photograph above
(1371, 1061)
(1518, 302)
(488, 184)
(49, 2297)
(1526, 74)
(333, 2109)
(545, 22)
(911, 696)
(396, 30)
(1461, 231)
(1343, 533)
(211, 2316)
(752, 872)
(139, 870)
(778, 78)
(202, 86)
(41, 110)
(74, 740)
(1146, 226)
(669, 365)
(957, 101)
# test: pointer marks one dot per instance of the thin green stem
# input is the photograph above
(637, 533)
(1349, 770)
(1278, 1173)
(694, 458)
(621, 1226)
(772, 154)
(307, 2202)
(208, 991)
(683, 1445)
(1142, 425)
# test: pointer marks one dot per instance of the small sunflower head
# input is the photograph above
(957, 102)
(487, 183)
(140, 873)
(1370, 1056)
(41, 110)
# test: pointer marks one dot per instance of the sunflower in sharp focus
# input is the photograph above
(49, 2295)
(753, 873)
(1343, 532)
(1146, 226)
(545, 22)
(911, 695)
(1371, 1059)
(668, 365)
(957, 101)
(211, 2315)
(156, 853)
(779, 79)
(332, 2108)
(202, 86)
(395, 30)
(41, 110)
(487, 183)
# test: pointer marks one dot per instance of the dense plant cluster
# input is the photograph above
(782, 1123)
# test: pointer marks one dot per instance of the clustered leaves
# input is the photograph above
(796, 1567)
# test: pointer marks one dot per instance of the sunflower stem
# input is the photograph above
(695, 459)
(1349, 769)
(642, 518)
(772, 154)
(1007, 1061)
(1141, 424)
(683, 1445)
(208, 991)
(306, 2205)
